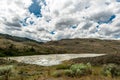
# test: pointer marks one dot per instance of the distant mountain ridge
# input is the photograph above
(15, 38)
(17, 46)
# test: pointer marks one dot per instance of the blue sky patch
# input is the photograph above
(35, 8)
(73, 26)
(118, 0)
(108, 21)
(44, 2)
(52, 32)
(31, 22)
(23, 22)
(112, 17)
(97, 26)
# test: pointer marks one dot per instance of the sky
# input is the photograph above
(46, 20)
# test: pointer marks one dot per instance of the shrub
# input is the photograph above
(81, 69)
(6, 71)
(68, 73)
(75, 70)
(111, 70)
(57, 73)
(62, 66)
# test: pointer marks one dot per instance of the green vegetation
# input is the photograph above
(16, 46)
(68, 70)
(5, 72)
(63, 66)
(111, 70)
(76, 70)
(57, 73)
(81, 69)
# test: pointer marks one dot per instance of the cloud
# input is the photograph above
(46, 20)
(14, 23)
(65, 23)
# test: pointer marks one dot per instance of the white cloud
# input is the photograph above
(61, 19)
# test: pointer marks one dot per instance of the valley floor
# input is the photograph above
(22, 71)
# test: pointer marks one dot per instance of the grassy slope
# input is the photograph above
(34, 72)
(16, 46)
(87, 45)
(106, 59)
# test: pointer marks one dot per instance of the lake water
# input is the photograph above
(49, 60)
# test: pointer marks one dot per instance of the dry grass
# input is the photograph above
(87, 45)
(106, 59)
(34, 72)
(22, 46)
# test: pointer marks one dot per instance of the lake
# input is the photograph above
(49, 60)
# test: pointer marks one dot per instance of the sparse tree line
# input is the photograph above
(12, 50)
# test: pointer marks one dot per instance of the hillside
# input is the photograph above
(17, 46)
(87, 45)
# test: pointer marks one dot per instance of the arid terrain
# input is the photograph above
(73, 59)
(17, 46)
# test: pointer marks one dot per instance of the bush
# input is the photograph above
(75, 70)
(68, 73)
(63, 66)
(81, 69)
(111, 70)
(57, 73)
(6, 71)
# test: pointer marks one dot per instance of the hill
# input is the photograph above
(17, 46)
(87, 45)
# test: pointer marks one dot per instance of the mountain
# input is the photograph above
(17, 46)
(17, 39)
